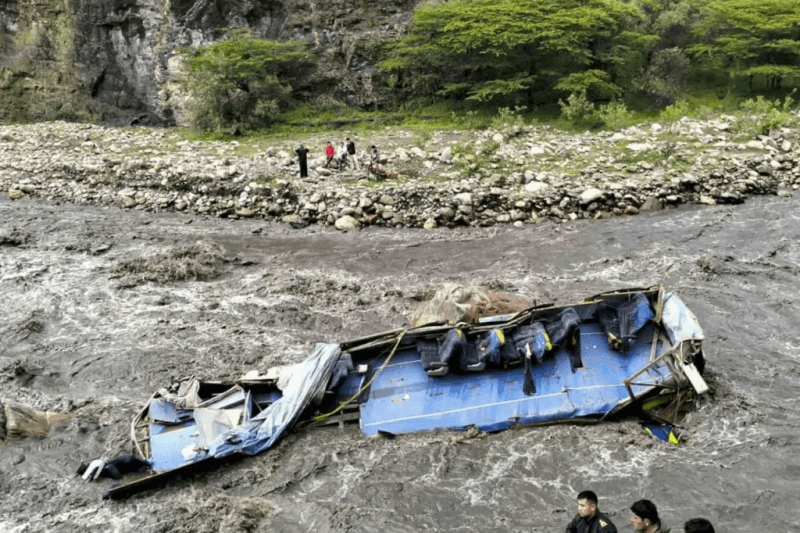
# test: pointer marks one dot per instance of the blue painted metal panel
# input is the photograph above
(167, 443)
(404, 399)
(264, 399)
(163, 410)
(227, 401)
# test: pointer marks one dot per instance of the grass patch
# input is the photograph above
(320, 119)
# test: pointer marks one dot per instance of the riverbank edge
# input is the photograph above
(511, 175)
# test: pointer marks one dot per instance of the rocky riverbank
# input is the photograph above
(508, 175)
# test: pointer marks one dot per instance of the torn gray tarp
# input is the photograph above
(679, 322)
(264, 429)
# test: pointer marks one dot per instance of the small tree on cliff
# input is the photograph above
(241, 83)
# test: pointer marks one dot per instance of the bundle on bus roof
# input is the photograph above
(452, 304)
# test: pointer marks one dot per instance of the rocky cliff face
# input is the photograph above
(8, 21)
(111, 55)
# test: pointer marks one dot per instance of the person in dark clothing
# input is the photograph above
(698, 525)
(374, 159)
(589, 518)
(351, 152)
(114, 469)
(302, 158)
(644, 517)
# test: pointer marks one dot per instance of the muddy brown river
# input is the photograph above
(81, 334)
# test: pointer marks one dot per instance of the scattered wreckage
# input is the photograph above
(628, 352)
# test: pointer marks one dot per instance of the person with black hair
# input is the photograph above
(114, 469)
(374, 157)
(644, 517)
(351, 152)
(342, 156)
(302, 159)
(589, 518)
(330, 151)
(698, 525)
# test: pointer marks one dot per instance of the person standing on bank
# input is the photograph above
(374, 157)
(330, 151)
(351, 151)
(302, 159)
(589, 518)
(644, 517)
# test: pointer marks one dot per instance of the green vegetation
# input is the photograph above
(762, 116)
(37, 83)
(753, 40)
(241, 84)
(476, 64)
(607, 63)
(471, 160)
(516, 51)
(463, 64)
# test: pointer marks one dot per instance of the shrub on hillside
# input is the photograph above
(241, 83)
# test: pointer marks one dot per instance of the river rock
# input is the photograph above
(446, 156)
(652, 204)
(707, 200)
(639, 147)
(463, 198)
(245, 212)
(755, 145)
(590, 195)
(347, 223)
(536, 150)
(535, 186)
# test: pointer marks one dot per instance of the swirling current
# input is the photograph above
(80, 334)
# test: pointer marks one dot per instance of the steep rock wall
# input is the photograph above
(9, 16)
(113, 55)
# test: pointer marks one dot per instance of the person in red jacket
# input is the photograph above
(330, 151)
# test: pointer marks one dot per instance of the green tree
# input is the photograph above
(241, 83)
(660, 76)
(753, 39)
(515, 49)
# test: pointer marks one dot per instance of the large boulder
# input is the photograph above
(346, 223)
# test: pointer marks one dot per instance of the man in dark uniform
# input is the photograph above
(698, 525)
(644, 517)
(302, 158)
(589, 518)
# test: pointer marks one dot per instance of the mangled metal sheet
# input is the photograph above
(230, 422)
(264, 429)
(679, 322)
